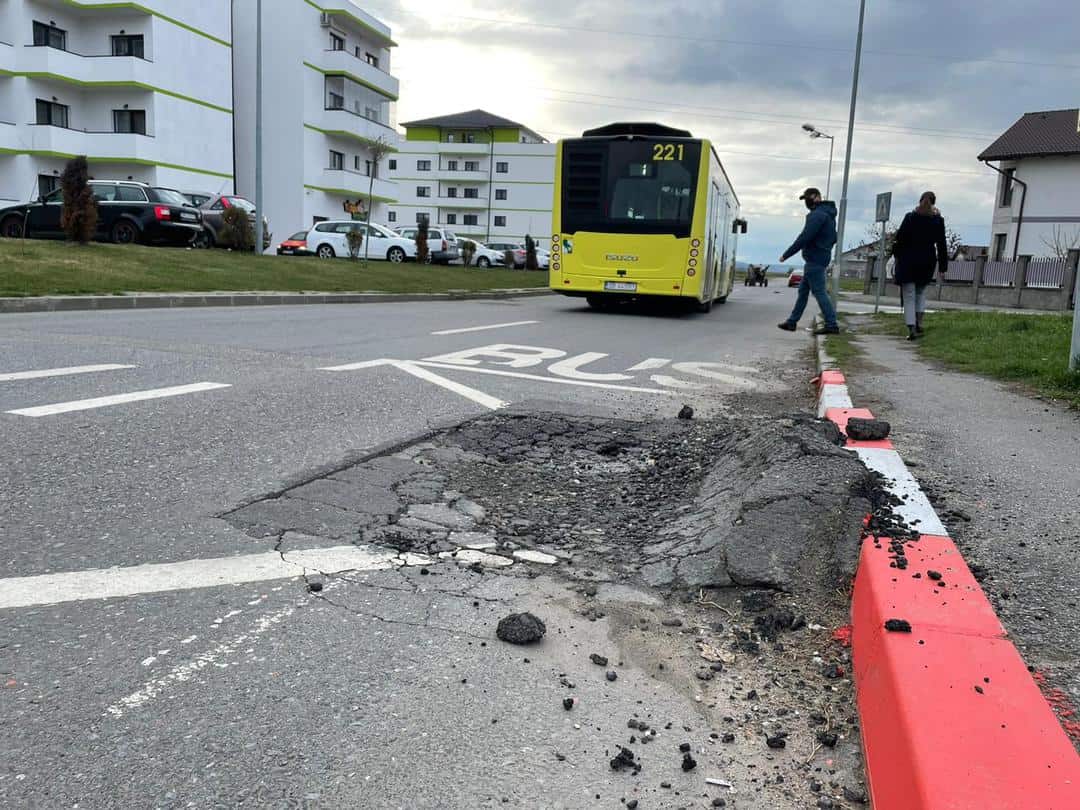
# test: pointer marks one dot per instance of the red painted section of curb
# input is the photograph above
(841, 416)
(831, 378)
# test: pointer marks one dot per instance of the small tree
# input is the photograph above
(468, 251)
(422, 252)
(530, 254)
(236, 229)
(1060, 241)
(79, 215)
(355, 238)
(379, 148)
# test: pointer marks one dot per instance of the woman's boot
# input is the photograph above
(918, 324)
(912, 333)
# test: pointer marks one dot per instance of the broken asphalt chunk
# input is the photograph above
(868, 430)
(520, 628)
(598, 659)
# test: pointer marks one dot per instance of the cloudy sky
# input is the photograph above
(941, 79)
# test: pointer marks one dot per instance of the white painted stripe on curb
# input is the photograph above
(117, 399)
(915, 508)
(109, 583)
(484, 328)
(59, 372)
(833, 396)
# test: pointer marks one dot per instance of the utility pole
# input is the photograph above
(258, 131)
(847, 158)
(1074, 351)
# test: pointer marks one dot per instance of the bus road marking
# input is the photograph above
(651, 364)
(541, 378)
(59, 372)
(479, 397)
(117, 399)
(484, 328)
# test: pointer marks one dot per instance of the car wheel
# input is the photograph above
(124, 233)
(484, 262)
(12, 227)
(326, 252)
(395, 255)
(204, 240)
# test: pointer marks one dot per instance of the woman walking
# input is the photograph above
(919, 248)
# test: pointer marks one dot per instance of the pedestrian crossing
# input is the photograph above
(93, 403)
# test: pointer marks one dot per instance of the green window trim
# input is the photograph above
(344, 192)
(150, 11)
(354, 78)
(31, 74)
(341, 133)
(374, 31)
(135, 161)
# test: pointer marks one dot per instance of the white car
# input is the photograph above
(543, 258)
(328, 240)
(486, 257)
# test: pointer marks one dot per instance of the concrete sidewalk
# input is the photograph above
(1003, 470)
(860, 302)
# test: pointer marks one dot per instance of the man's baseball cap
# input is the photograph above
(809, 192)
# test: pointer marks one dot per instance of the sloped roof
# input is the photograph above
(1038, 134)
(473, 119)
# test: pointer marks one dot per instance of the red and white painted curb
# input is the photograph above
(951, 717)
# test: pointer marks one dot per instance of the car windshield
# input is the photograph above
(170, 196)
(242, 204)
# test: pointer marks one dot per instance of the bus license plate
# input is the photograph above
(621, 286)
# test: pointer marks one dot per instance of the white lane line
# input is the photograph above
(479, 397)
(915, 507)
(117, 399)
(109, 583)
(359, 366)
(557, 380)
(484, 328)
(651, 364)
(59, 372)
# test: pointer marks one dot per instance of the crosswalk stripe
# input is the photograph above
(116, 399)
(59, 372)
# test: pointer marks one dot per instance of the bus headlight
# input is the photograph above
(694, 252)
(691, 272)
(693, 262)
(556, 266)
(695, 243)
(555, 239)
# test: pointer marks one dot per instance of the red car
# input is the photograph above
(794, 278)
(295, 245)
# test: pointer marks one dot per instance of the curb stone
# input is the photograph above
(950, 715)
(78, 303)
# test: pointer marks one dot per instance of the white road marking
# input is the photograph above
(914, 506)
(117, 399)
(359, 366)
(110, 583)
(651, 364)
(571, 367)
(484, 328)
(479, 397)
(540, 378)
(500, 354)
(59, 372)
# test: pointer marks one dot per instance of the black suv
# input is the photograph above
(128, 212)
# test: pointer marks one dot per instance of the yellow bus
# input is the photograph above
(643, 210)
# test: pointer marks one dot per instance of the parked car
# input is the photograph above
(198, 198)
(543, 258)
(443, 246)
(487, 257)
(794, 278)
(330, 239)
(128, 212)
(516, 248)
(295, 245)
(213, 213)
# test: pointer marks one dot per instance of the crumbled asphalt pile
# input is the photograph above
(625, 759)
(520, 628)
(868, 430)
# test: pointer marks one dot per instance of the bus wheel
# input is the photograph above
(722, 299)
(705, 307)
(597, 302)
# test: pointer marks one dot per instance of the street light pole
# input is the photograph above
(847, 158)
(258, 131)
(816, 133)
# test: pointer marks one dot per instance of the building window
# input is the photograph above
(371, 169)
(337, 160)
(500, 194)
(472, 165)
(500, 222)
(337, 101)
(451, 165)
(50, 36)
(129, 121)
(371, 114)
(451, 192)
(469, 137)
(337, 43)
(393, 165)
(391, 216)
(356, 163)
(371, 59)
(422, 218)
(502, 168)
(472, 194)
(49, 113)
(999, 246)
(1007, 188)
(47, 183)
(451, 219)
(450, 138)
(470, 219)
(128, 45)
(423, 165)
(423, 191)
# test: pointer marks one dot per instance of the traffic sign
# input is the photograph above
(884, 206)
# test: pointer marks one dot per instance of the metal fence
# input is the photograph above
(960, 272)
(1047, 273)
(999, 274)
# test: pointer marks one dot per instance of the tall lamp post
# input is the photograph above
(258, 131)
(816, 133)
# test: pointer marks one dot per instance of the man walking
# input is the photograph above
(816, 243)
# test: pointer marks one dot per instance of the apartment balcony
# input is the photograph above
(346, 62)
(347, 182)
(464, 203)
(7, 56)
(459, 148)
(121, 146)
(70, 65)
(8, 136)
(448, 176)
(342, 121)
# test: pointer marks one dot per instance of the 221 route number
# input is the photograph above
(667, 151)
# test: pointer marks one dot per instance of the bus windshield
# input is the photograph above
(630, 186)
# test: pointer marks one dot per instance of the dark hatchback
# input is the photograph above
(128, 213)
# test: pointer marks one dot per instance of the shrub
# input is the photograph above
(530, 254)
(79, 215)
(355, 238)
(422, 253)
(236, 230)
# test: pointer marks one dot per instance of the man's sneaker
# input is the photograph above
(827, 330)
(787, 326)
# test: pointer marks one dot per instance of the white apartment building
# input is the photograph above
(1037, 208)
(142, 89)
(481, 175)
(327, 95)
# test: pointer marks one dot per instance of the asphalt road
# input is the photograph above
(391, 692)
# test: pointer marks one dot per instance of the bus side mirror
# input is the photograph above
(738, 226)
